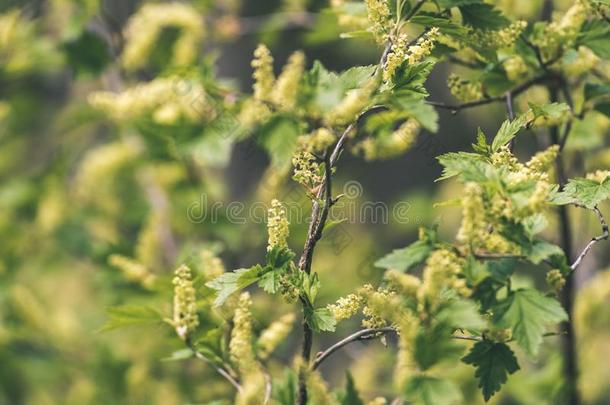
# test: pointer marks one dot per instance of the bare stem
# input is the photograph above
(592, 242)
(218, 369)
(364, 334)
(488, 100)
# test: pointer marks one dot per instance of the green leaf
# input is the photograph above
(445, 25)
(596, 36)
(483, 16)
(594, 90)
(427, 390)
(494, 362)
(508, 131)
(553, 110)
(320, 319)
(278, 257)
(230, 282)
(406, 258)
(456, 3)
(270, 281)
(527, 312)
(279, 139)
(129, 315)
(285, 390)
(585, 192)
(87, 54)
(462, 314)
(351, 396)
(470, 166)
(180, 355)
(481, 145)
(541, 250)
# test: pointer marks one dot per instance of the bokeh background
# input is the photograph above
(77, 187)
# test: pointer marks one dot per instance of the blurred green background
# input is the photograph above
(77, 188)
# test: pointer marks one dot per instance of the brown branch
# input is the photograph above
(364, 334)
(592, 242)
(488, 100)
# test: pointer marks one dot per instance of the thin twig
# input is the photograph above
(364, 334)
(219, 369)
(488, 100)
(592, 242)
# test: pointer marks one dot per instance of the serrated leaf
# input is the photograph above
(231, 282)
(278, 257)
(483, 16)
(270, 281)
(552, 110)
(596, 36)
(527, 312)
(406, 258)
(481, 145)
(320, 319)
(129, 315)
(470, 166)
(463, 314)
(508, 131)
(427, 390)
(541, 250)
(585, 192)
(494, 362)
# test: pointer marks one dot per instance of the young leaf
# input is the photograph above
(230, 282)
(527, 312)
(471, 166)
(320, 319)
(585, 192)
(483, 16)
(128, 315)
(494, 362)
(270, 281)
(508, 131)
(406, 258)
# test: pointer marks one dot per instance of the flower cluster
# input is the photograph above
(464, 90)
(442, 271)
(185, 306)
(240, 346)
(277, 226)
(397, 143)
(583, 62)
(353, 103)
(145, 27)
(271, 337)
(346, 307)
(502, 38)
(263, 73)
(379, 18)
(133, 270)
(212, 266)
(406, 284)
(555, 280)
(599, 175)
(557, 35)
(516, 68)
(306, 170)
(318, 140)
(164, 98)
(284, 93)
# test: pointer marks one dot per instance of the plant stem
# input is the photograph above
(570, 359)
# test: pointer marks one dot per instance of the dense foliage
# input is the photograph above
(102, 191)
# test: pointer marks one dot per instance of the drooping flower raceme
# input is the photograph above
(185, 306)
(145, 27)
(277, 226)
(263, 73)
(284, 93)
